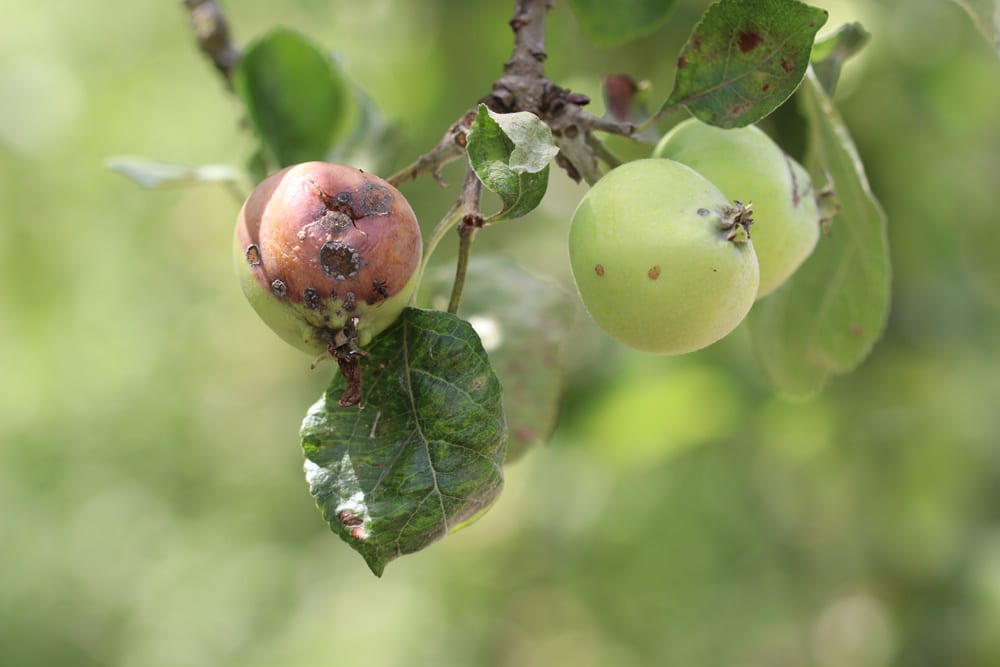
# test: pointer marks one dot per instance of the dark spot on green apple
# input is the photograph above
(312, 298)
(279, 288)
(350, 302)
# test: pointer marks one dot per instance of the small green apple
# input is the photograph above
(321, 246)
(662, 260)
(745, 162)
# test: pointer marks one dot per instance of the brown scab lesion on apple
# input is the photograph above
(339, 260)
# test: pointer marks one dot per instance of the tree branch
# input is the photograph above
(524, 87)
(521, 88)
(528, 25)
(212, 32)
(449, 148)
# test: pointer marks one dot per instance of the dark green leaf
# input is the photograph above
(294, 95)
(511, 153)
(830, 53)
(744, 59)
(986, 15)
(610, 23)
(153, 174)
(426, 450)
(522, 321)
(829, 315)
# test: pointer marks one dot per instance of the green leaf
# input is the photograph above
(523, 321)
(612, 23)
(426, 450)
(986, 15)
(830, 53)
(511, 153)
(828, 316)
(744, 59)
(294, 95)
(154, 174)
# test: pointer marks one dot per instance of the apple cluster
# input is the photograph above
(669, 253)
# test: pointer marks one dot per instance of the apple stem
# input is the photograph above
(472, 221)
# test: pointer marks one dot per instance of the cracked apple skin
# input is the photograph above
(661, 259)
(318, 245)
(745, 162)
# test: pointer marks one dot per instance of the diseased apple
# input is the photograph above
(326, 254)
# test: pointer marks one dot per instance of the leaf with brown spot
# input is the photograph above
(744, 59)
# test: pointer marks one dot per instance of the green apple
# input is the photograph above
(661, 258)
(321, 246)
(746, 163)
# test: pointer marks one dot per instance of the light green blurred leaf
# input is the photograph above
(830, 53)
(611, 23)
(522, 321)
(511, 153)
(155, 174)
(828, 316)
(426, 451)
(645, 418)
(744, 59)
(370, 141)
(986, 15)
(294, 94)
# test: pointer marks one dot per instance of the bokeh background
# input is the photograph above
(153, 510)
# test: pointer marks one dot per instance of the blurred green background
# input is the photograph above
(153, 510)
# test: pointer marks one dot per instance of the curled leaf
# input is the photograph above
(511, 153)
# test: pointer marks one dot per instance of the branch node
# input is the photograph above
(208, 22)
